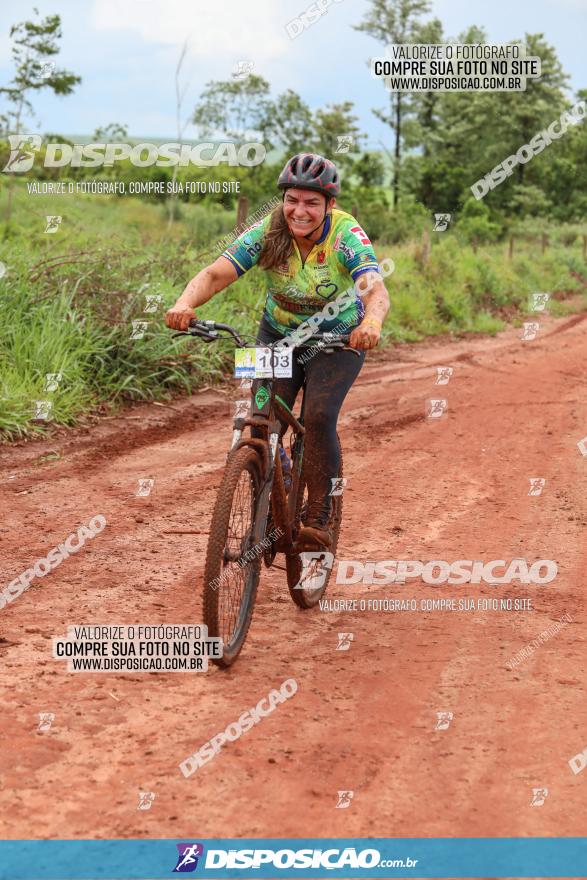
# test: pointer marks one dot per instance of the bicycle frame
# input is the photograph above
(266, 418)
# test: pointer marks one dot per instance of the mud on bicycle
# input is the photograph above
(253, 505)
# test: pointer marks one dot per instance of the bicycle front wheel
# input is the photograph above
(231, 574)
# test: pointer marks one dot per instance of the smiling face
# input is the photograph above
(304, 210)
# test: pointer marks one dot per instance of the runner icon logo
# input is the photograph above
(153, 302)
(52, 381)
(441, 222)
(53, 223)
(144, 489)
(444, 719)
(436, 408)
(20, 159)
(539, 795)
(146, 799)
(345, 142)
(243, 69)
(138, 329)
(338, 484)
(530, 330)
(538, 302)
(241, 408)
(537, 484)
(316, 566)
(443, 375)
(187, 861)
(45, 721)
(43, 409)
(344, 641)
(344, 799)
(47, 70)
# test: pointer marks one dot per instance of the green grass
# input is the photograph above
(69, 300)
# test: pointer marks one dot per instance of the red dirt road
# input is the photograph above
(363, 719)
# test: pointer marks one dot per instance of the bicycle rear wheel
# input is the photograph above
(308, 573)
(231, 574)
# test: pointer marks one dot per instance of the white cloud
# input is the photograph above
(231, 31)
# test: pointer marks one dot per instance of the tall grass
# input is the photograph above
(69, 300)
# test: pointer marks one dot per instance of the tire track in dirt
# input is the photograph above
(363, 719)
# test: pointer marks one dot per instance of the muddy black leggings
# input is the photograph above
(328, 379)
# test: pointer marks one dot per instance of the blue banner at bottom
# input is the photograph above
(294, 857)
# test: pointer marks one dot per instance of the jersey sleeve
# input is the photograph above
(244, 252)
(354, 249)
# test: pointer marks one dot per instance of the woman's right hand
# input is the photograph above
(179, 317)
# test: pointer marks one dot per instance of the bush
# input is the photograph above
(474, 225)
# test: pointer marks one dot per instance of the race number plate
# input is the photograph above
(262, 363)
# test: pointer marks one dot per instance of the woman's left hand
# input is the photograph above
(365, 336)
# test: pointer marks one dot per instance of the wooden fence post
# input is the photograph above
(585, 247)
(242, 211)
(511, 246)
(544, 241)
(356, 212)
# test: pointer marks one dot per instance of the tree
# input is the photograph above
(111, 133)
(235, 109)
(396, 22)
(543, 100)
(474, 132)
(336, 133)
(420, 128)
(33, 42)
(446, 128)
(290, 121)
(369, 170)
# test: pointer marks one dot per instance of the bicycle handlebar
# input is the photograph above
(208, 331)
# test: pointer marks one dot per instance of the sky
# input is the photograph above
(126, 52)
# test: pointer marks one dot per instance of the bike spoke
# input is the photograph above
(234, 576)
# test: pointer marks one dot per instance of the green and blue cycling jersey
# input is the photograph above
(298, 288)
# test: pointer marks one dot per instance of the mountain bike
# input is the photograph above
(254, 517)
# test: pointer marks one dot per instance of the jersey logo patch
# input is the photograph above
(360, 234)
(346, 250)
(326, 291)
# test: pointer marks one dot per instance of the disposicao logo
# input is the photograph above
(97, 155)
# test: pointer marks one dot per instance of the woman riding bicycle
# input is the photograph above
(311, 252)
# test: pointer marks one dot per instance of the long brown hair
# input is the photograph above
(278, 244)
